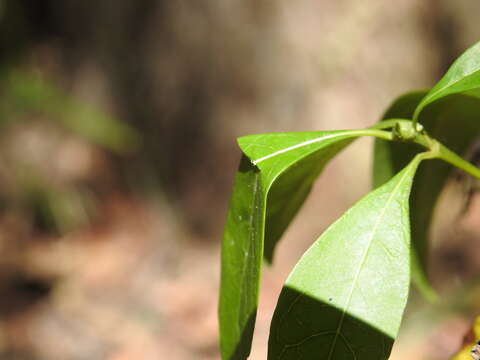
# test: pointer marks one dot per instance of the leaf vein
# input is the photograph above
(364, 258)
(296, 146)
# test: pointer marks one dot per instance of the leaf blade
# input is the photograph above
(391, 157)
(342, 272)
(462, 76)
(281, 167)
(237, 309)
(288, 182)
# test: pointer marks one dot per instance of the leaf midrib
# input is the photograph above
(297, 146)
(365, 255)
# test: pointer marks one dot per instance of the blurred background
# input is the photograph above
(118, 122)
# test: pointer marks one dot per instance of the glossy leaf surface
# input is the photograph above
(275, 176)
(462, 76)
(454, 122)
(346, 296)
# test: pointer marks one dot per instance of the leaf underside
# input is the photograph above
(275, 176)
(346, 296)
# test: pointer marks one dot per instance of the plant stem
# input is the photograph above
(452, 158)
(436, 149)
(440, 151)
(381, 134)
(389, 123)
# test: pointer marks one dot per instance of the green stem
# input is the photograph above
(381, 134)
(436, 149)
(389, 123)
(440, 151)
(452, 158)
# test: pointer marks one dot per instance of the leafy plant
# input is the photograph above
(346, 296)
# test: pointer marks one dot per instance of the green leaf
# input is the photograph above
(389, 157)
(287, 175)
(346, 296)
(275, 176)
(463, 75)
